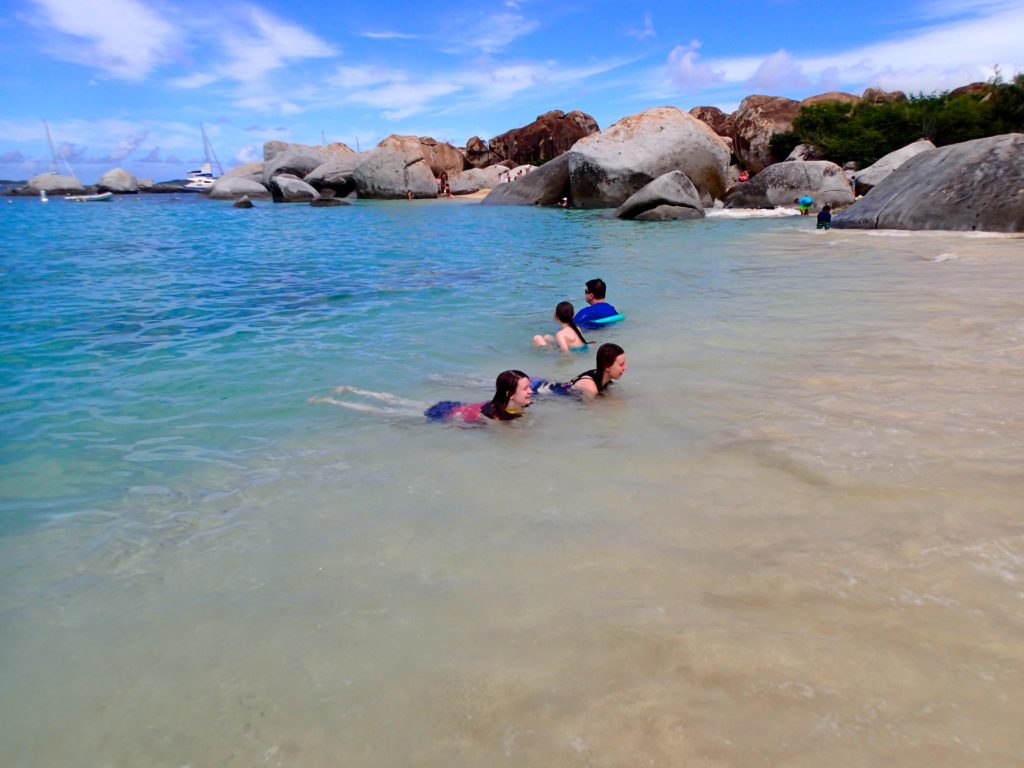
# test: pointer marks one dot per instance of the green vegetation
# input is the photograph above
(865, 132)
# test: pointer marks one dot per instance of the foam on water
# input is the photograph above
(790, 535)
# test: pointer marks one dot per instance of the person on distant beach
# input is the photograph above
(563, 203)
(512, 395)
(408, 194)
(825, 218)
(804, 204)
(569, 337)
(744, 175)
(611, 364)
(597, 308)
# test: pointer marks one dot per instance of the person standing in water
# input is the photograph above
(594, 292)
(611, 364)
(569, 337)
(825, 218)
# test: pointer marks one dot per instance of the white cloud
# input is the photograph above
(495, 33)
(778, 72)
(688, 73)
(388, 35)
(646, 31)
(250, 153)
(125, 38)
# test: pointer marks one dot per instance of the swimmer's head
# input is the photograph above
(596, 289)
(611, 361)
(512, 391)
(564, 312)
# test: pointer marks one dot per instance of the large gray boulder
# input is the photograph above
(232, 187)
(336, 174)
(54, 184)
(288, 188)
(607, 167)
(872, 176)
(475, 179)
(804, 152)
(394, 168)
(252, 171)
(976, 185)
(119, 181)
(280, 157)
(542, 186)
(442, 157)
(782, 183)
(670, 196)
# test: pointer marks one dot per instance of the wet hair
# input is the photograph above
(607, 354)
(565, 314)
(504, 387)
(596, 288)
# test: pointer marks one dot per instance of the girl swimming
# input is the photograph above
(611, 364)
(512, 396)
(569, 337)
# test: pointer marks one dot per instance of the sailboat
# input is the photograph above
(202, 179)
(55, 161)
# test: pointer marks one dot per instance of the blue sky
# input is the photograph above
(127, 82)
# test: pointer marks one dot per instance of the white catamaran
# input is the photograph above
(202, 179)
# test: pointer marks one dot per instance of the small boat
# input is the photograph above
(202, 179)
(98, 198)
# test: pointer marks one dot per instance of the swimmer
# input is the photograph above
(569, 337)
(611, 364)
(512, 395)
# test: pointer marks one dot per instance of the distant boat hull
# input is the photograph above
(100, 198)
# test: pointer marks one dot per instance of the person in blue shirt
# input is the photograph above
(597, 306)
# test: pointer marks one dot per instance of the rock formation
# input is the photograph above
(781, 183)
(803, 152)
(336, 174)
(296, 159)
(479, 155)
(545, 138)
(756, 121)
(119, 181)
(873, 175)
(393, 168)
(475, 179)
(671, 196)
(54, 184)
(830, 97)
(544, 186)
(878, 96)
(607, 167)
(442, 157)
(975, 185)
(716, 119)
(242, 202)
(288, 188)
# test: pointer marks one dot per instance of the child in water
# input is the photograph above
(569, 337)
(611, 364)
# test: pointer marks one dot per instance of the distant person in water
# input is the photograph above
(569, 337)
(825, 218)
(512, 395)
(804, 204)
(597, 307)
(611, 364)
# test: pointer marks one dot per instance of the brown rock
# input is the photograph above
(831, 96)
(545, 138)
(716, 119)
(972, 89)
(479, 155)
(878, 96)
(442, 157)
(757, 120)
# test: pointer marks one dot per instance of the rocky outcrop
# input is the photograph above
(803, 152)
(336, 174)
(972, 89)
(280, 157)
(54, 184)
(607, 167)
(545, 138)
(878, 96)
(543, 186)
(830, 97)
(242, 202)
(393, 168)
(716, 119)
(288, 188)
(230, 187)
(975, 185)
(119, 181)
(756, 121)
(253, 171)
(479, 155)
(145, 184)
(475, 179)
(671, 196)
(781, 183)
(873, 175)
(442, 157)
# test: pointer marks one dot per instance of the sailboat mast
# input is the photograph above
(209, 150)
(53, 152)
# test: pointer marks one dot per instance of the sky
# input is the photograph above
(127, 83)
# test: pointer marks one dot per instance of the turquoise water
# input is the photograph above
(790, 536)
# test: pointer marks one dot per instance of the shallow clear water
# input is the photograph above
(793, 534)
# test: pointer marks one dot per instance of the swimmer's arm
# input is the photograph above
(562, 343)
(585, 387)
